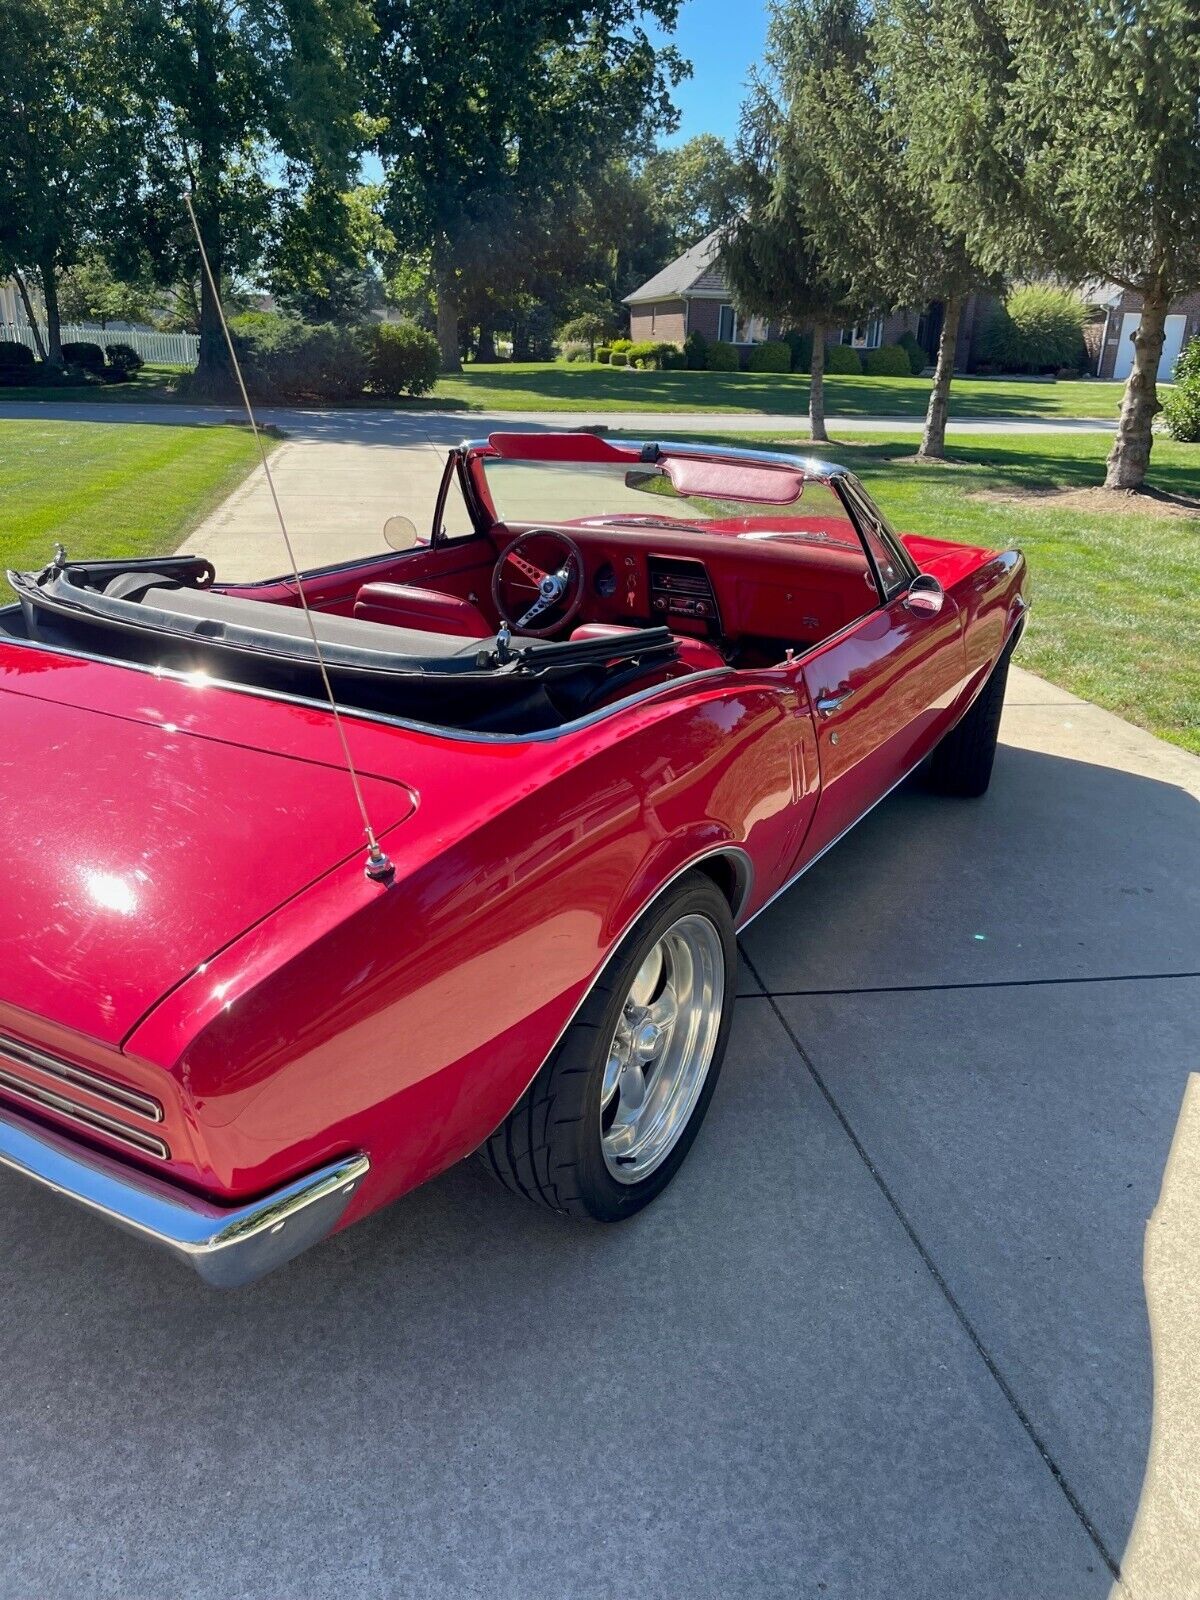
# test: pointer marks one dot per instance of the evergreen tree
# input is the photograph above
(1064, 138)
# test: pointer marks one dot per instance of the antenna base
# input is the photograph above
(379, 867)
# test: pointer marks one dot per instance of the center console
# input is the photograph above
(680, 591)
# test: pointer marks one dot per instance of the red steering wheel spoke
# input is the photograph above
(535, 574)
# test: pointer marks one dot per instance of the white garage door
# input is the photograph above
(1172, 345)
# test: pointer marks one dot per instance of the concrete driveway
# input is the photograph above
(886, 1335)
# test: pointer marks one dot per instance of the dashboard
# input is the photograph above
(721, 586)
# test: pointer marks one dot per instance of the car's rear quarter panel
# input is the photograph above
(408, 1021)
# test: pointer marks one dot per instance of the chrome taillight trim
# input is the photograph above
(132, 1100)
(46, 1100)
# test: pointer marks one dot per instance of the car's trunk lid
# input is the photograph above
(134, 850)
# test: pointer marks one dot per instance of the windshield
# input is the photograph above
(763, 500)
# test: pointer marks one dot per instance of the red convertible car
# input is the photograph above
(616, 700)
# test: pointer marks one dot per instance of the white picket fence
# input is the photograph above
(172, 349)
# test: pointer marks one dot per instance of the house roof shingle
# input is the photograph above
(694, 272)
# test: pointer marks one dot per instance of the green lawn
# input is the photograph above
(580, 386)
(111, 489)
(1116, 615)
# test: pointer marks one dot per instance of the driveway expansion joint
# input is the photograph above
(979, 983)
(931, 1266)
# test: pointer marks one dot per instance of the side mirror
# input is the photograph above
(401, 533)
(925, 596)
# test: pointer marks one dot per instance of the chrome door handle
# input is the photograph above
(827, 704)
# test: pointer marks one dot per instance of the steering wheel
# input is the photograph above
(538, 582)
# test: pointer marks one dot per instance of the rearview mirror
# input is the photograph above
(645, 478)
(925, 595)
(401, 533)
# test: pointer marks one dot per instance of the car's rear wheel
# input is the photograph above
(962, 763)
(609, 1119)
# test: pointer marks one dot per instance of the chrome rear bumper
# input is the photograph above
(227, 1245)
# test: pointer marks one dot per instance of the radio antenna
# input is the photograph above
(379, 866)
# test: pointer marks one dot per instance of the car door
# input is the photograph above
(882, 693)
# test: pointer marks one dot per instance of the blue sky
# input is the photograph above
(722, 39)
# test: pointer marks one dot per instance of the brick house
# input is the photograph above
(1122, 314)
(690, 294)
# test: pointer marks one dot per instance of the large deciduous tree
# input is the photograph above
(244, 105)
(492, 119)
(695, 188)
(848, 105)
(56, 150)
(1065, 138)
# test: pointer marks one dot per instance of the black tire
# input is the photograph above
(549, 1147)
(962, 763)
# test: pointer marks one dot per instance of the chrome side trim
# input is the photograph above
(227, 1246)
(25, 1055)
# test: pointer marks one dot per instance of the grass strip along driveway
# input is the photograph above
(109, 489)
(1115, 578)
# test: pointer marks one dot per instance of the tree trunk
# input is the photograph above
(933, 439)
(485, 350)
(447, 327)
(1130, 455)
(816, 385)
(23, 291)
(53, 321)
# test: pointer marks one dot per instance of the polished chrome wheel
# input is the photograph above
(662, 1048)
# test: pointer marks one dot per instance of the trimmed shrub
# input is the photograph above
(618, 358)
(1181, 404)
(16, 364)
(674, 358)
(842, 359)
(621, 344)
(722, 357)
(1038, 329)
(603, 352)
(124, 358)
(576, 352)
(917, 359)
(695, 351)
(889, 361)
(285, 359)
(774, 356)
(82, 353)
(403, 359)
(652, 355)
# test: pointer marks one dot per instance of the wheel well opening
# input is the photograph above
(731, 874)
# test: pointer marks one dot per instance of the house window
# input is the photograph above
(751, 330)
(734, 328)
(864, 335)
